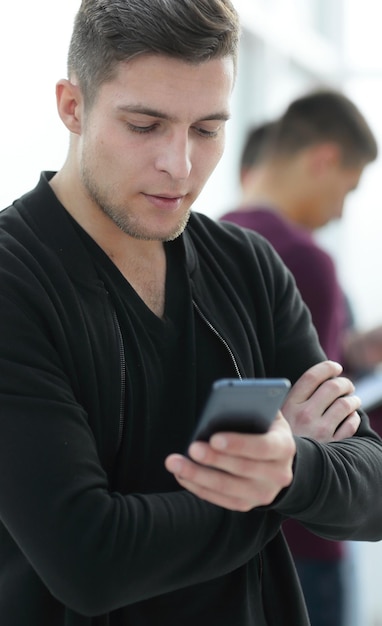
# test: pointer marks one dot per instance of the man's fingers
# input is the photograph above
(233, 491)
(348, 428)
(342, 407)
(238, 471)
(329, 393)
(307, 384)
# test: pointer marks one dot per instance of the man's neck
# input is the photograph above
(141, 262)
(273, 188)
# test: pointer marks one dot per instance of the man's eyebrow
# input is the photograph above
(223, 116)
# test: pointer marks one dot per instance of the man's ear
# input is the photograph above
(70, 105)
(324, 156)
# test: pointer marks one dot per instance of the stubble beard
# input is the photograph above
(121, 215)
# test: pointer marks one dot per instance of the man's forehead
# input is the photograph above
(165, 87)
(141, 109)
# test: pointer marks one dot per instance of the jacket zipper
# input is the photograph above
(123, 363)
(221, 339)
(123, 378)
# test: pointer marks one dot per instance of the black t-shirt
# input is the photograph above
(167, 373)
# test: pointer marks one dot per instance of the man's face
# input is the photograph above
(151, 140)
(335, 185)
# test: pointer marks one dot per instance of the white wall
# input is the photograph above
(361, 255)
(33, 43)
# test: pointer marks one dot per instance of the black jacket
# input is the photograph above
(73, 543)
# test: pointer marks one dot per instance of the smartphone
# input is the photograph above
(241, 405)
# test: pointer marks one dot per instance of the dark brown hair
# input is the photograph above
(325, 115)
(109, 31)
(256, 144)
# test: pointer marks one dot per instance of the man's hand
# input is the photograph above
(238, 471)
(242, 471)
(321, 406)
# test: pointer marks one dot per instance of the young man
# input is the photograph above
(295, 174)
(119, 308)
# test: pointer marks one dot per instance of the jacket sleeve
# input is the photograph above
(319, 288)
(94, 549)
(337, 487)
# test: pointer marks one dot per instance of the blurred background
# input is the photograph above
(287, 48)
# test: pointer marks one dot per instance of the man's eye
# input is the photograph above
(207, 133)
(141, 129)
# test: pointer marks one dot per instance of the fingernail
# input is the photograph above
(338, 365)
(176, 466)
(219, 442)
(197, 452)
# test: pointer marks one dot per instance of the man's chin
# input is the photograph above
(146, 229)
(170, 235)
(157, 235)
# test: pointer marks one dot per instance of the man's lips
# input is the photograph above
(164, 201)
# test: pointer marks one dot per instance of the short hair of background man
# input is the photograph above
(255, 146)
(325, 116)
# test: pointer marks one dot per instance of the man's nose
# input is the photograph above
(175, 155)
